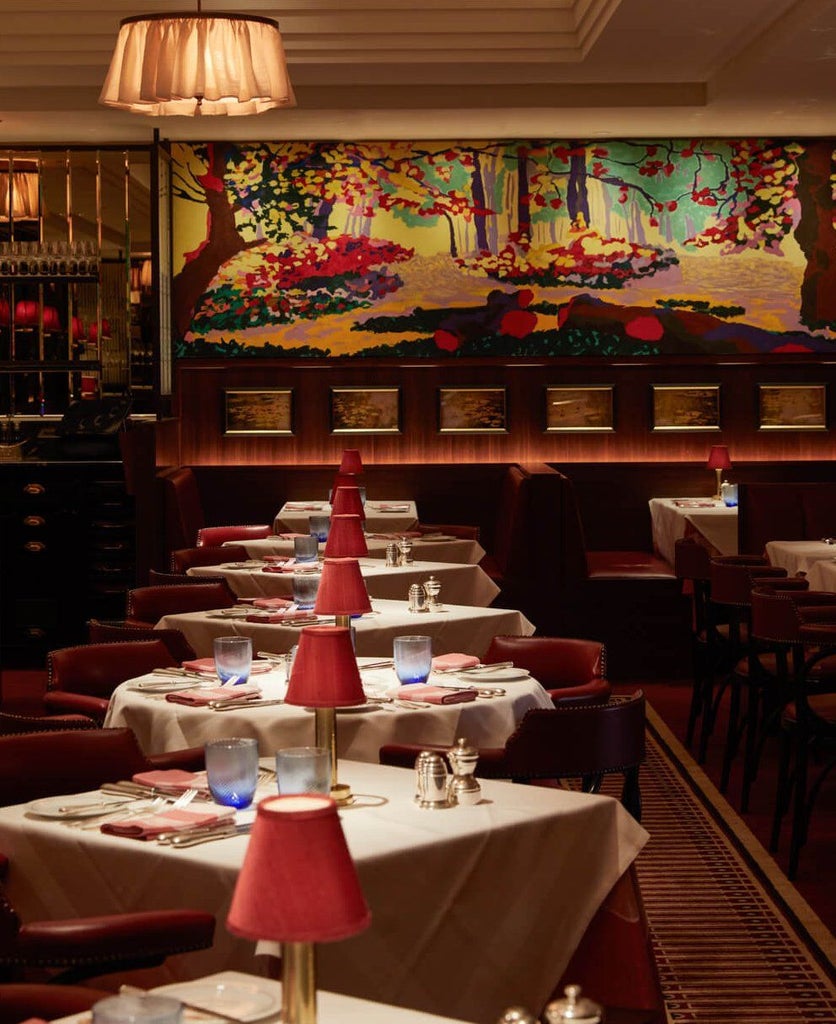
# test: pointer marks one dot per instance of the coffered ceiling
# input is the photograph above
(455, 69)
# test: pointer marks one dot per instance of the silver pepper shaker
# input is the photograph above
(432, 588)
(392, 554)
(416, 598)
(463, 789)
(405, 549)
(574, 1007)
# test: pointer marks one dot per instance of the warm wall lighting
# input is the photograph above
(192, 63)
(20, 194)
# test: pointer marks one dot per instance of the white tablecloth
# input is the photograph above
(473, 908)
(454, 549)
(455, 628)
(798, 555)
(822, 575)
(161, 725)
(294, 515)
(674, 518)
(460, 584)
(331, 1007)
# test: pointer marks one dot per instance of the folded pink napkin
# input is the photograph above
(435, 694)
(200, 698)
(291, 536)
(386, 506)
(207, 665)
(275, 559)
(172, 780)
(454, 662)
(280, 616)
(272, 603)
(166, 821)
(303, 506)
(291, 565)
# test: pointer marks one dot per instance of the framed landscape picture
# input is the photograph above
(579, 409)
(359, 410)
(472, 410)
(258, 411)
(686, 407)
(792, 407)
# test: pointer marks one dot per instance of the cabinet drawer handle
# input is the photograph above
(34, 489)
(34, 521)
(35, 632)
(34, 546)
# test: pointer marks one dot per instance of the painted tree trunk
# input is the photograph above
(477, 188)
(816, 235)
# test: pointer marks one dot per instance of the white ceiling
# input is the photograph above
(455, 69)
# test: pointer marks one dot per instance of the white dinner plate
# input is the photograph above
(499, 675)
(240, 1000)
(89, 806)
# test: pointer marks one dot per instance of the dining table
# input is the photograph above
(474, 908)
(708, 520)
(460, 583)
(246, 997)
(799, 556)
(390, 515)
(487, 720)
(454, 628)
(430, 547)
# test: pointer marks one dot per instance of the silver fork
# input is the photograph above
(158, 804)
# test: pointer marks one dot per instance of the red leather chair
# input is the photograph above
(80, 680)
(573, 671)
(85, 947)
(147, 605)
(182, 507)
(208, 554)
(215, 536)
(99, 632)
(13, 725)
(579, 741)
(35, 765)
(166, 579)
(21, 1001)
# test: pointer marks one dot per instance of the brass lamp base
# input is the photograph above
(298, 983)
(718, 496)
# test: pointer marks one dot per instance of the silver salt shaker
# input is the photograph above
(392, 554)
(432, 772)
(416, 598)
(432, 588)
(463, 788)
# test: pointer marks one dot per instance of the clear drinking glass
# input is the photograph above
(303, 770)
(233, 658)
(305, 588)
(140, 1008)
(413, 658)
(305, 549)
(232, 770)
(320, 527)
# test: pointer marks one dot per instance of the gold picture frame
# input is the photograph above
(686, 407)
(255, 411)
(792, 407)
(365, 410)
(477, 410)
(580, 409)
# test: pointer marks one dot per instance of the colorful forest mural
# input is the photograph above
(525, 248)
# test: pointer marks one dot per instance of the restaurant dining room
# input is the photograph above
(418, 521)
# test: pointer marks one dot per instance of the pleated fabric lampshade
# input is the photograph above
(342, 589)
(347, 501)
(346, 538)
(325, 672)
(351, 462)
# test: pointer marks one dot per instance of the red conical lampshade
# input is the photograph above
(325, 673)
(718, 457)
(342, 589)
(298, 882)
(346, 538)
(347, 501)
(343, 480)
(351, 461)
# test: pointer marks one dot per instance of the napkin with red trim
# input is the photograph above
(172, 780)
(207, 665)
(171, 820)
(292, 536)
(454, 662)
(272, 603)
(200, 698)
(291, 565)
(435, 694)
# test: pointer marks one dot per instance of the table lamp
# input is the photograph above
(351, 461)
(325, 677)
(347, 501)
(298, 885)
(346, 538)
(718, 460)
(342, 480)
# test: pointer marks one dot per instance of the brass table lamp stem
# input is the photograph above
(298, 983)
(719, 494)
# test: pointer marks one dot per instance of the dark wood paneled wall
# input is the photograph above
(199, 410)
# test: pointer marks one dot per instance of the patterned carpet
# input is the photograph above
(735, 942)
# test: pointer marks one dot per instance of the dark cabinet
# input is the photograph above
(67, 544)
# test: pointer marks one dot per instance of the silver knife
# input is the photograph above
(209, 836)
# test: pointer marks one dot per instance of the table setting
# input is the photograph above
(524, 864)
(708, 519)
(432, 547)
(800, 556)
(391, 515)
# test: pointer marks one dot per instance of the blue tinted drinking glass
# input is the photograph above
(319, 527)
(232, 770)
(413, 658)
(233, 658)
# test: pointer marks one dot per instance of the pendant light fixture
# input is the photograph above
(196, 63)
